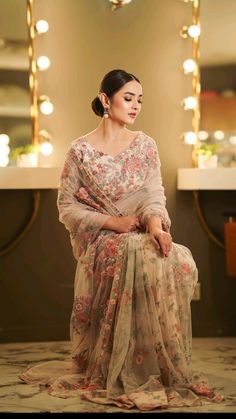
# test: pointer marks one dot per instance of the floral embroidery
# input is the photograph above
(130, 324)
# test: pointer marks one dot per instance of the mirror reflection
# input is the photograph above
(15, 120)
(218, 81)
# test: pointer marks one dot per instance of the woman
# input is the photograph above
(131, 319)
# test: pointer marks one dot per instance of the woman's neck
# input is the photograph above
(110, 131)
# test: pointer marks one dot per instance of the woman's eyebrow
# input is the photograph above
(133, 94)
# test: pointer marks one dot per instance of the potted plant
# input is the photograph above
(25, 156)
(207, 155)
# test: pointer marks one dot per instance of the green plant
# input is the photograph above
(208, 149)
(26, 149)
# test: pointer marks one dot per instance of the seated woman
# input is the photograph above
(131, 318)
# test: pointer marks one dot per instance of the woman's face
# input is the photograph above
(126, 104)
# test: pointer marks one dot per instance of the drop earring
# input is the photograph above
(106, 113)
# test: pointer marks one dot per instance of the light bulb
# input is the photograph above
(194, 31)
(46, 148)
(4, 149)
(189, 65)
(203, 135)
(4, 160)
(42, 26)
(46, 106)
(120, 2)
(189, 102)
(219, 135)
(232, 139)
(43, 63)
(190, 137)
(4, 139)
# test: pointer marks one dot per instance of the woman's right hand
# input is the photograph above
(126, 224)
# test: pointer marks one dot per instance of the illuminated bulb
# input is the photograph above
(232, 139)
(190, 137)
(4, 160)
(189, 102)
(189, 66)
(4, 149)
(46, 107)
(120, 2)
(43, 63)
(194, 31)
(219, 135)
(4, 139)
(203, 135)
(42, 26)
(46, 148)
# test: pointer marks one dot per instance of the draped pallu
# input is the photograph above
(131, 319)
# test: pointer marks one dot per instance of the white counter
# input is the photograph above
(223, 178)
(29, 177)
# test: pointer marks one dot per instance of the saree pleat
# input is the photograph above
(130, 324)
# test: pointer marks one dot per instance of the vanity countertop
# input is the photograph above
(29, 177)
(222, 178)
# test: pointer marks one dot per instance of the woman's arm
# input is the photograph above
(153, 201)
(122, 224)
(161, 239)
(154, 222)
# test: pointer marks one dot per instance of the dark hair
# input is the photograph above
(111, 83)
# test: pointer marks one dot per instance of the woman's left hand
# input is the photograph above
(162, 240)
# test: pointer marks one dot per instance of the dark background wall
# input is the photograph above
(84, 42)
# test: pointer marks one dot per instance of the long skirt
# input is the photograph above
(131, 335)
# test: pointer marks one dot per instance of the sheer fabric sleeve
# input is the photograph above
(154, 200)
(83, 221)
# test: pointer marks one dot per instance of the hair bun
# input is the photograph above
(97, 106)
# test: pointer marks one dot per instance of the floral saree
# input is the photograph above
(131, 317)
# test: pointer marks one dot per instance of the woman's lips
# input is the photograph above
(132, 115)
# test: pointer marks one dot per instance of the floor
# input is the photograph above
(216, 357)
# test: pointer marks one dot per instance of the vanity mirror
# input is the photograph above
(15, 119)
(21, 141)
(218, 80)
(213, 103)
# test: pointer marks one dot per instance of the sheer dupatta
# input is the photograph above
(84, 208)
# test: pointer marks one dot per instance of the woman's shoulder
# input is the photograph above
(75, 144)
(150, 140)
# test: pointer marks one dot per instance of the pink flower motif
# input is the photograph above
(185, 268)
(150, 153)
(110, 270)
(78, 307)
(139, 359)
(65, 172)
(82, 193)
(112, 301)
(111, 248)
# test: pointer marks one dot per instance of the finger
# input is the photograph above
(164, 249)
(155, 242)
(167, 250)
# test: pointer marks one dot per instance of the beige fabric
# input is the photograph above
(131, 319)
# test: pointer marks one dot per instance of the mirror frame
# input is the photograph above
(33, 82)
(196, 82)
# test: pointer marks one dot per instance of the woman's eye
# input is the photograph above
(129, 100)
